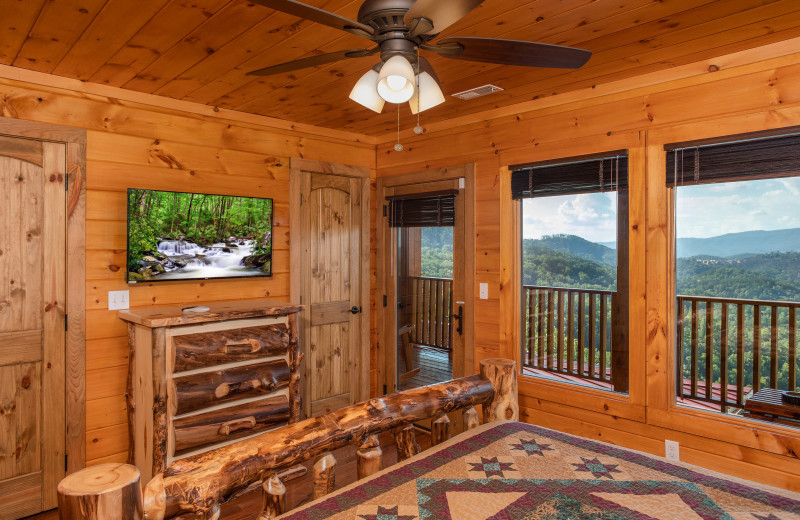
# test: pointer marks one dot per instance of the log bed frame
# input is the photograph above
(195, 487)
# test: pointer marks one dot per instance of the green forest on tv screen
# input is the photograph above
(184, 236)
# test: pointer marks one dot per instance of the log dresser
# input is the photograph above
(200, 380)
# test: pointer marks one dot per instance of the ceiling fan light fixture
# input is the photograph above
(365, 92)
(430, 94)
(396, 80)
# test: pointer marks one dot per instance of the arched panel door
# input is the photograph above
(334, 286)
(32, 329)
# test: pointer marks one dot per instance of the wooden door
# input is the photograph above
(334, 289)
(32, 324)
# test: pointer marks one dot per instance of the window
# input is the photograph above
(574, 269)
(737, 271)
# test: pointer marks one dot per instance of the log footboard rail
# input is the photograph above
(194, 487)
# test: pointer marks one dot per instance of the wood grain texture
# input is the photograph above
(470, 416)
(33, 312)
(223, 311)
(206, 349)
(406, 442)
(440, 430)
(210, 388)
(274, 498)
(324, 475)
(201, 51)
(159, 430)
(333, 276)
(230, 423)
(369, 458)
(106, 491)
(190, 484)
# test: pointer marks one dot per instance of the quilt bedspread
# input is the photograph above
(511, 470)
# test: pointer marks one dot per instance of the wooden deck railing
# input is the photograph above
(432, 311)
(726, 347)
(568, 331)
(197, 485)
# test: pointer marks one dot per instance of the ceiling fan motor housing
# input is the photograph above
(385, 16)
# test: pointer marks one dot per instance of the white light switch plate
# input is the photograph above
(118, 300)
(484, 291)
(672, 450)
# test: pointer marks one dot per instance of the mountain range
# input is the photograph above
(751, 264)
(736, 244)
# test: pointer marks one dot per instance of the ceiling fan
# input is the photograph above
(401, 28)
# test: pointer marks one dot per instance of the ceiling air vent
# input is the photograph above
(478, 92)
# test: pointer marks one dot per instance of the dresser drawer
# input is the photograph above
(224, 424)
(219, 347)
(197, 391)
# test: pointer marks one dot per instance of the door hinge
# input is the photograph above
(66, 322)
(385, 210)
(384, 389)
(385, 301)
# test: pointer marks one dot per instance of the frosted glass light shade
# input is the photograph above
(365, 92)
(396, 80)
(429, 96)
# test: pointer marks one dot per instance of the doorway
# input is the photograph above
(330, 277)
(425, 236)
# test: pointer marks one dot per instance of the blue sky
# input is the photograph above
(702, 211)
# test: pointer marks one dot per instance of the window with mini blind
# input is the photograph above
(737, 272)
(573, 265)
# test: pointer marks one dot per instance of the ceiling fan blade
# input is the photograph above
(442, 13)
(313, 61)
(318, 15)
(511, 52)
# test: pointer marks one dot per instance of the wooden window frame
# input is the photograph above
(629, 406)
(75, 349)
(662, 408)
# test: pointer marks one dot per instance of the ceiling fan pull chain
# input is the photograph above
(418, 129)
(398, 147)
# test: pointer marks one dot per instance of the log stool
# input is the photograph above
(102, 492)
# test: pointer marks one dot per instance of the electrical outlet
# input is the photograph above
(118, 300)
(672, 450)
(484, 291)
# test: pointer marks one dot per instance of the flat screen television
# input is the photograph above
(195, 236)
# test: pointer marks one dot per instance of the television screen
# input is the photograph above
(192, 236)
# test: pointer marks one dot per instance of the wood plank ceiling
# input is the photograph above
(200, 50)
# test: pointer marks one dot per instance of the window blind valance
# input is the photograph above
(569, 178)
(434, 209)
(740, 160)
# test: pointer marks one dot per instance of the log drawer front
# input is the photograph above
(220, 380)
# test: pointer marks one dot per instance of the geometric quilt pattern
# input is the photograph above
(511, 470)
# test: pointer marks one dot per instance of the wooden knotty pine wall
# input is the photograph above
(143, 145)
(752, 90)
(134, 145)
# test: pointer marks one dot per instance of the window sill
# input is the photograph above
(595, 400)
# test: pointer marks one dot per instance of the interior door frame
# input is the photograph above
(75, 307)
(387, 316)
(297, 247)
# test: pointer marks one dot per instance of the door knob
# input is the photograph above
(355, 310)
